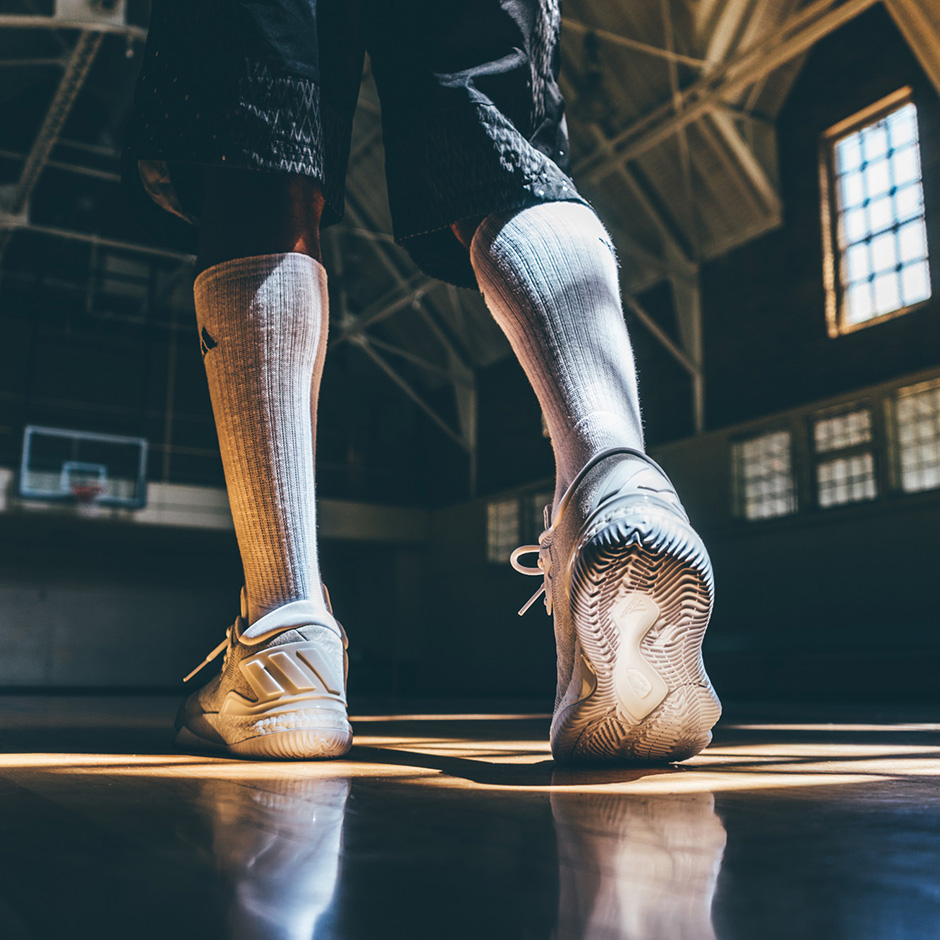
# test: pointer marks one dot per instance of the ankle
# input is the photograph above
(594, 433)
(313, 606)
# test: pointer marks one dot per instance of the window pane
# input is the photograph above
(852, 192)
(502, 529)
(877, 179)
(849, 154)
(837, 431)
(909, 202)
(538, 510)
(763, 476)
(902, 126)
(887, 292)
(882, 239)
(912, 241)
(846, 480)
(875, 141)
(858, 303)
(857, 263)
(884, 252)
(904, 165)
(917, 420)
(880, 215)
(915, 283)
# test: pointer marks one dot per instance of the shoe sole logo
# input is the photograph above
(636, 684)
(292, 669)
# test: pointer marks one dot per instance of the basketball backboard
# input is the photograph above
(83, 467)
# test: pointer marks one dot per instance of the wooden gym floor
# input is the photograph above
(794, 824)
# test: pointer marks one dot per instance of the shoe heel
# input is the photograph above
(640, 590)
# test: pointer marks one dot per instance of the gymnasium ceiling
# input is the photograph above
(671, 108)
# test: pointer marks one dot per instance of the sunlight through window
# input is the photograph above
(877, 262)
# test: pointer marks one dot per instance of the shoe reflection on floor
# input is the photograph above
(642, 868)
(277, 849)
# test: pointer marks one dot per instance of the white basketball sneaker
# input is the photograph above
(281, 693)
(630, 585)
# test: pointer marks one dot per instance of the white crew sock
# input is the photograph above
(263, 326)
(549, 277)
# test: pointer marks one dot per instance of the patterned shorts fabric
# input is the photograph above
(472, 117)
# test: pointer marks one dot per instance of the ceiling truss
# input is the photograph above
(726, 68)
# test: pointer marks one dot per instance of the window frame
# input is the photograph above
(881, 400)
(835, 320)
(895, 448)
(817, 457)
(738, 495)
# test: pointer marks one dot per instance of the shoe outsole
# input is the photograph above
(640, 588)
(288, 744)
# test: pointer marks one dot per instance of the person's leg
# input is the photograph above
(241, 127)
(262, 315)
(246, 213)
(626, 577)
(549, 277)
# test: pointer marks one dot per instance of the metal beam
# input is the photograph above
(687, 298)
(460, 373)
(685, 156)
(32, 63)
(632, 44)
(67, 167)
(27, 21)
(416, 360)
(676, 252)
(364, 343)
(416, 290)
(795, 36)
(729, 23)
(12, 224)
(380, 311)
(80, 62)
(678, 354)
(743, 158)
(919, 23)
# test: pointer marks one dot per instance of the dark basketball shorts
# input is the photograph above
(472, 117)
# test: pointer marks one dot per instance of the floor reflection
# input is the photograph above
(277, 849)
(461, 827)
(628, 867)
(643, 869)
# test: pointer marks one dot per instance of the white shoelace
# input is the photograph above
(546, 537)
(225, 645)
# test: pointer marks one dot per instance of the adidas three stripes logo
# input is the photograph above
(290, 670)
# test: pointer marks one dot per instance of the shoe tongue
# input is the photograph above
(287, 617)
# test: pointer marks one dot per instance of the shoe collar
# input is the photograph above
(555, 517)
(302, 613)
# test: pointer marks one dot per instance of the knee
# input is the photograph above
(246, 213)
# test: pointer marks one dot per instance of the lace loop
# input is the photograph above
(538, 572)
(526, 569)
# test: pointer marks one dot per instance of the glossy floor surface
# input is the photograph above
(792, 825)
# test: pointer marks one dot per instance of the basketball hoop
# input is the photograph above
(86, 494)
